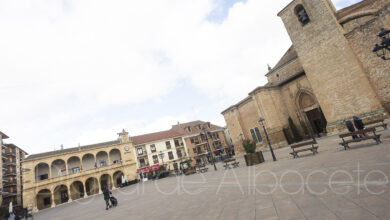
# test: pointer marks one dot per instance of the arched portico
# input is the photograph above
(117, 178)
(92, 186)
(43, 198)
(42, 172)
(102, 159)
(105, 181)
(115, 156)
(88, 161)
(60, 194)
(74, 164)
(76, 190)
(58, 168)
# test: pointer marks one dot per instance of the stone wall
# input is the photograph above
(362, 35)
(330, 64)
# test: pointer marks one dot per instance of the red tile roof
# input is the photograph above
(195, 127)
(146, 138)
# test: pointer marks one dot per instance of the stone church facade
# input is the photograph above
(327, 76)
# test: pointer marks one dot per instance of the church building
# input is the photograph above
(328, 75)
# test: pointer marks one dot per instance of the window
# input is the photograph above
(177, 144)
(76, 170)
(170, 155)
(140, 151)
(192, 140)
(153, 148)
(259, 138)
(301, 13)
(142, 162)
(155, 159)
(194, 149)
(179, 155)
(168, 144)
(253, 135)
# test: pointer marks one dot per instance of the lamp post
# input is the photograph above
(266, 136)
(309, 126)
(161, 156)
(381, 49)
(204, 133)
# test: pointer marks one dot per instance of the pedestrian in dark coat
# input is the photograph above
(106, 194)
(358, 123)
(351, 128)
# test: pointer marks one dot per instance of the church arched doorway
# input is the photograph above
(310, 109)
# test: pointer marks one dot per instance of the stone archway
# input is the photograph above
(117, 177)
(309, 108)
(58, 168)
(60, 194)
(105, 181)
(76, 190)
(43, 199)
(42, 171)
(92, 186)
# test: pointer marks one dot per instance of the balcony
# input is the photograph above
(11, 163)
(4, 155)
(11, 153)
(4, 166)
(10, 173)
(10, 183)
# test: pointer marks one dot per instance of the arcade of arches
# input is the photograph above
(57, 177)
(74, 164)
(62, 193)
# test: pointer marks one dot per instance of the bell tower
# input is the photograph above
(335, 73)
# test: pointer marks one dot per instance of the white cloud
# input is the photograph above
(64, 61)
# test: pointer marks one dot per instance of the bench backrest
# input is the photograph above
(374, 122)
(302, 144)
(357, 132)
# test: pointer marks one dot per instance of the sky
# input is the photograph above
(78, 72)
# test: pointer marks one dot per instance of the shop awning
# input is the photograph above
(150, 168)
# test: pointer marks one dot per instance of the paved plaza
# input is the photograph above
(334, 184)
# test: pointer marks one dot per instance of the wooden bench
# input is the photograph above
(362, 136)
(382, 124)
(231, 162)
(296, 148)
(202, 168)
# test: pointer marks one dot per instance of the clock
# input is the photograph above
(127, 148)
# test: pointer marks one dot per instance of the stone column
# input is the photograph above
(85, 190)
(53, 204)
(113, 183)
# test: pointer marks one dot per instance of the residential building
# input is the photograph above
(155, 149)
(11, 175)
(61, 176)
(328, 75)
(202, 137)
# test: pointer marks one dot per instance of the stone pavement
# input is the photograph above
(334, 184)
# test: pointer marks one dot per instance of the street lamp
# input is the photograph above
(161, 156)
(381, 49)
(208, 146)
(309, 126)
(266, 136)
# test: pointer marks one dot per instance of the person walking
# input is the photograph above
(106, 194)
(351, 128)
